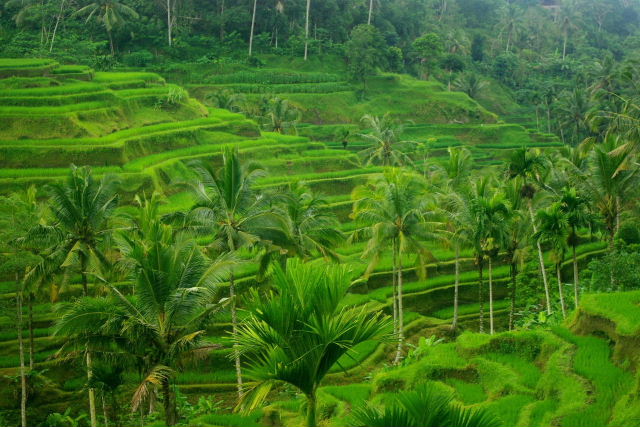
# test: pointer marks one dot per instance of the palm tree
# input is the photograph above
(610, 182)
(174, 296)
(81, 209)
(486, 211)
(393, 210)
(110, 13)
(457, 171)
(511, 20)
(471, 84)
(310, 227)
(575, 208)
(518, 230)
(386, 143)
(281, 115)
(530, 166)
(424, 407)
(18, 214)
(298, 332)
(573, 110)
(228, 205)
(554, 230)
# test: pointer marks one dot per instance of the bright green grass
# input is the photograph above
(25, 62)
(508, 408)
(592, 361)
(229, 420)
(623, 308)
(354, 394)
(467, 393)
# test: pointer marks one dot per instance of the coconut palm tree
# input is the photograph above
(81, 209)
(610, 182)
(310, 226)
(516, 244)
(486, 212)
(457, 171)
(394, 212)
(554, 230)
(530, 166)
(281, 115)
(576, 209)
(423, 407)
(298, 331)
(573, 110)
(174, 296)
(228, 205)
(385, 137)
(471, 84)
(306, 30)
(110, 13)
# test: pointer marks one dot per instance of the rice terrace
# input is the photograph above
(336, 213)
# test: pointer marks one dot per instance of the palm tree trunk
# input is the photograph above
(480, 294)
(169, 23)
(92, 393)
(456, 290)
(560, 292)
(564, 46)
(512, 309)
(395, 288)
(234, 325)
(104, 412)
(548, 118)
(576, 285)
(23, 377)
(253, 24)
(491, 329)
(311, 410)
(541, 260)
(55, 28)
(170, 412)
(221, 20)
(400, 310)
(370, 12)
(83, 273)
(113, 49)
(306, 31)
(32, 344)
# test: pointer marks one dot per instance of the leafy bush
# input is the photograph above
(141, 58)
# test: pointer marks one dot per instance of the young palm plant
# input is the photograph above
(423, 408)
(298, 332)
(393, 211)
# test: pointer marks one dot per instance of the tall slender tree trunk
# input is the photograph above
(394, 285)
(481, 293)
(548, 118)
(560, 291)
(170, 411)
(32, 343)
(306, 31)
(113, 48)
(564, 46)
(55, 28)
(311, 409)
(234, 326)
(92, 393)
(491, 328)
(370, 12)
(221, 20)
(104, 411)
(576, 284)
(169, 23)
(253, 24)
(541, 260)
(514, 284)
(456, 289)
(23, 377)
(400, 310)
